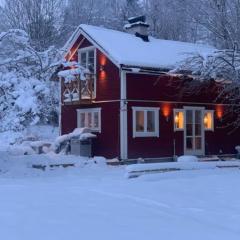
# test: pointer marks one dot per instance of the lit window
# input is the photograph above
(208, 120)
(145, 122)
(89, 118)
(178, 119)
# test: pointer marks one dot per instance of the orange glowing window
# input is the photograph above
(208, 120)
(178, 119)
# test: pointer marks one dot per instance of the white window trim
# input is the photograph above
(92, 111)
(146, 134)
(175, 110)
(212, 113)
(87, 49)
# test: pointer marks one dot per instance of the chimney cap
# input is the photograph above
(130, 25)
(132, 20)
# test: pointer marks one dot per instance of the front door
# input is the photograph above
(194, 143)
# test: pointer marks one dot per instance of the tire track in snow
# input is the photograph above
(168, 210)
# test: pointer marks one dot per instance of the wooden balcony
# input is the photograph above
(78, 91)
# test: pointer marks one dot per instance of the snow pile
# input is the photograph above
(136, 170)
(20, 165)
(27, 96)
(61, 142)
(187, 158)
(70, 74)
(29, 141)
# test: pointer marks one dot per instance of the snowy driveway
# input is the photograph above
(98, 203)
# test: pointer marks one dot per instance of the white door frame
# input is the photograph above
(194, 151)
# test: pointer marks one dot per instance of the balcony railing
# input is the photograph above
(78, 90)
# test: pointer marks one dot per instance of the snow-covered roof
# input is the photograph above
(127, 49)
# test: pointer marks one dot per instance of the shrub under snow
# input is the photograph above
(27, 96)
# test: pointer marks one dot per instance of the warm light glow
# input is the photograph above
(166, 110)
(179, 120)
(102, 75)
(208, 120)
(71, 54)
(219, 111)
(103, 60)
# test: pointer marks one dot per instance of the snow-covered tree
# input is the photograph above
(27, 96)
(223, 68)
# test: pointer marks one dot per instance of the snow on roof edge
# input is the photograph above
(86, 31)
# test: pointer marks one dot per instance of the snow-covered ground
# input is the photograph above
(97, 202)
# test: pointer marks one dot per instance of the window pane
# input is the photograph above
(189, 143)
(91, 60)
(150, 121)
(84, 59)
(208, 120)
(140, 121)
(198, 129)
(179, 120)
(189, 116)
(189, 129)
(96, 120)
(198, 143)
(198, 116)
(82, 120)
(89, 120)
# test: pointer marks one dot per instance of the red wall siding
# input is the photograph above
(148, 87)
(107, 142)
(108, 80)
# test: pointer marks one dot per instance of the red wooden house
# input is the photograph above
(132, 103)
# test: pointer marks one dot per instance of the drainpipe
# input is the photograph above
(123, 117)
(60, 107)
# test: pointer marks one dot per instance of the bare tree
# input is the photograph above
(221, 18)
(37, 18)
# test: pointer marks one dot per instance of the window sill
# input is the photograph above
(146, 135)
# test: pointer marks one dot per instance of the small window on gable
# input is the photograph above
(87, 58)
(145, 122)
(208, 120)
(89, 118)
(178, 119)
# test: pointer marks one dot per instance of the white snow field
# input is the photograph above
(97, 202)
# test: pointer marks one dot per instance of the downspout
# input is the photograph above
(123, 116)
(60, 107)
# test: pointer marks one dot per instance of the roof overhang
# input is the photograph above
(80, 31)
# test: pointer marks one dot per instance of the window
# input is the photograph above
(208, 120)
(178, 119)
(89, 118)
(145, 122)
(87, 58)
